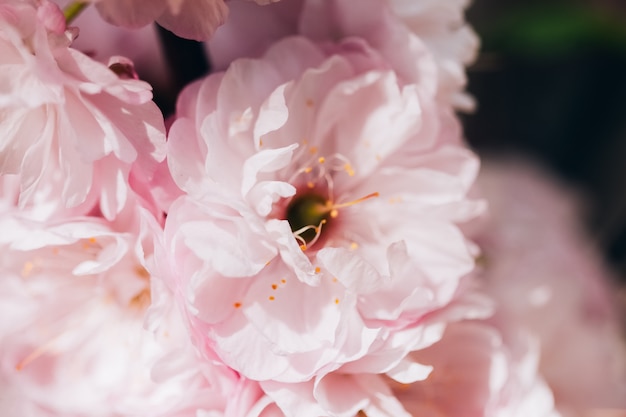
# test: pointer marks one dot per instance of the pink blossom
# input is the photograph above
(549, 282)
(453, 43)
(326, 22)
(77, 291)
(476, 374)
(424, 41)
(192, 19)
(318, 230)
(345, 391)
(79, 295)
(69, 119)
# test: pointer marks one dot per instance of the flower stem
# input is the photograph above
(73, 10)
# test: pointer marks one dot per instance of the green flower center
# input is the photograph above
(306, 214)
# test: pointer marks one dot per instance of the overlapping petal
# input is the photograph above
(333, 124)
(68, 116)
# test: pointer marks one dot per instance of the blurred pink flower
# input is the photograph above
(69, 119)
(441, 26)
(192, 19)
(318, 231)
(604, 413)
(549, 282)
(475, 374)
(79, 295)
(424, 41)
(77, 292)
(359, 390)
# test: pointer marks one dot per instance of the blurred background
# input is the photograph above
(550, 83)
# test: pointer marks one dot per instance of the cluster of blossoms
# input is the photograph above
(302, 241)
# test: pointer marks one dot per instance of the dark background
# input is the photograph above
(550, 82)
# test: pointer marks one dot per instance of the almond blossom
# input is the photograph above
(77, 291)
(558, 291)
(92, 333)
(442, 27)
(346, 392)
(318, 230)
(69, 119)
(303, 250)
(476, 374)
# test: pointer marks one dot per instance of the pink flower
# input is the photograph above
(424, 41)
(453, 43)
(476, 374)
(193, 19)
(345, 392)
(70, 120)
(318, 230)
(79, 294)
(548, 282)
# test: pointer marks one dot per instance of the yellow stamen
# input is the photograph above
(31, 357)
(348, 168)
(141, 272)
(37, 353)
(332, 208)
(357, 201)
(318, 231)
(141, 299)
(27, 269)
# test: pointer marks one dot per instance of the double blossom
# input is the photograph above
(318, 230)
(89, 131)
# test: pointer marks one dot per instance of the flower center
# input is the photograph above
(316, 207)
(306, 214)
